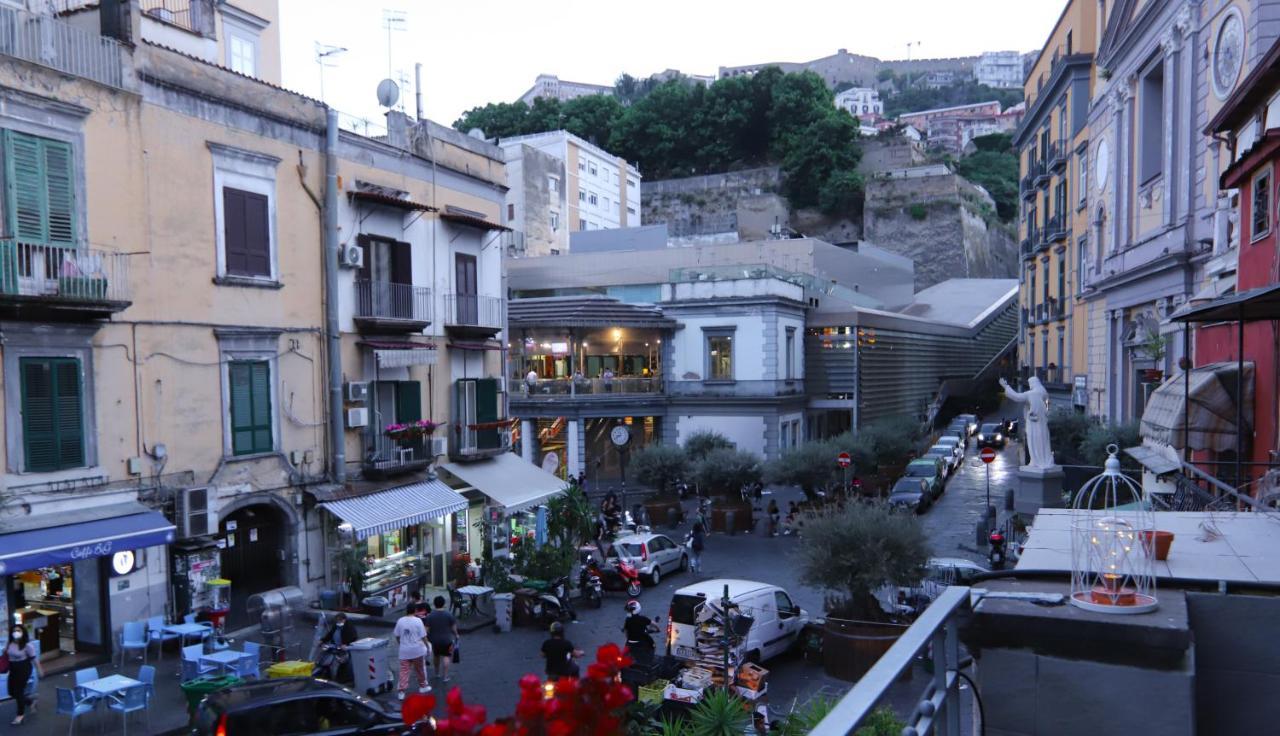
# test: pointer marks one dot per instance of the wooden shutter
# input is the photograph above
(52, 414)
(250, 386)
(408, 401)
(366, 263)
(59, 192)
(487, 411)
(401, 263)
(465, 273)
(260, 384)
(25, 188)
(247, 234)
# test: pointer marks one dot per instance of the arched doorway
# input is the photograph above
(254, 556)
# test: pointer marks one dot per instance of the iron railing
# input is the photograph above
(59, 45)
(938, 708)
(1057, 154)
(619, 386)
(1055, 229)
(195, 16)
(473, 310)
(388, 301)
(62, 273)
(389, 454)
(733, 388)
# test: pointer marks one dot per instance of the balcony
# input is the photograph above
(61, 46)
(735, 389)
(1055, 230)
(1035, 169)
(1057, 156)
(593, 388)
(192, 16)
(472, 315)
(1030, 242)
(388, 457)
(61, 280)
(479, 441)
(1042, 174)
(382, 306)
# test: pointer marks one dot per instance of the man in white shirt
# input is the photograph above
(412, 636)
(530, 381)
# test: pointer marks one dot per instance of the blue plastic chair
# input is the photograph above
(147, 676)
(88, 674)
(157, 634)
(254, 649)
(133, 638)
(193, 670)
(245, 667)
(190, 618)
(69, 705)
(131, 701)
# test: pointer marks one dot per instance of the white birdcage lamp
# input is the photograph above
(1111, 551)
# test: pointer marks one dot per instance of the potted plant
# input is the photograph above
(660, 466)
(812, 466)
(853, 554)
(1155, 346)
(410, 430)
(723, 473)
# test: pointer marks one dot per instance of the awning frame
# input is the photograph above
(511, 502)
(363, 508)
(83, 540)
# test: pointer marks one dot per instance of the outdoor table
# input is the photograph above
(223, 658)
(185, 630)
(110, 685)
(474, 593)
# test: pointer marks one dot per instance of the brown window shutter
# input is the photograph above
(248, 232)
(235, 248)
(401, 263)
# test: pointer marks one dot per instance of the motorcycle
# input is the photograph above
(615, 575)
(589, 583)
(330, 662)
(547, 607)
(996, 554)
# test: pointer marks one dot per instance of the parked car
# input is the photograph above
(957, 429)
(991, 435)
(952, 441)
(653, 555)
(952, 455)
(933, 470)
(911, 493)
(775, 625)
(292, 705)
(970, 420)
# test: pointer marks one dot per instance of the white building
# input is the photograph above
(549, 85)
(600, 191)
(999, 69)
(860, 101)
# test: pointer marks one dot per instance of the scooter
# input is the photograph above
(617, 575)
(547, 607)
(330, 662)
(996, 550)
(589, 582)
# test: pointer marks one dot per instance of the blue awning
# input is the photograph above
(59, 545)
(396, 508)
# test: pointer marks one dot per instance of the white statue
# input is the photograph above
(1035, 421)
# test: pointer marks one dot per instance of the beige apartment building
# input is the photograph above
(171, 411)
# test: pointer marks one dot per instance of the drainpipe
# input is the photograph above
(337, 440)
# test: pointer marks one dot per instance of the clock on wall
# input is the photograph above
(1228, 54)
(620, 435)
(1101, 163)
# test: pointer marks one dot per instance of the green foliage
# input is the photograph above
(804, 719)
(854, 552)
(570, 518)
(1154, 346)
(916, 98)
(1067, 430)
(918, 211)
(659, 466)
(882, 722)
(994, 167)
(723, 472)
(497, 574)
(719, 713)
(704, 441)
(354, 568)
(673, 726)
(1093, 449)
(546, 562)
(810, 466)
(994, 142)
(890, 440)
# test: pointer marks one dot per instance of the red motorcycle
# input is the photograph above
(614, 573)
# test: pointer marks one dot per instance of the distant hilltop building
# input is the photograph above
(549, 85)
(666, 75)
(952, 128)
(1000, 69)
(860, 102)
(861, 71)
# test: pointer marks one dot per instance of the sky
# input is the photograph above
(491, 50)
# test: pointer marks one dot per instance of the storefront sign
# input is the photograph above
(122, 563)
(59, 545)
(231, 525)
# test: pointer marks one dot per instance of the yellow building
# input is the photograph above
(1052, 145)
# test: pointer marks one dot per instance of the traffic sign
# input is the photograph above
(843, 460)
(988, 454)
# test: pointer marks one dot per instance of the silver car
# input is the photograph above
(653, 555)
(951, 454)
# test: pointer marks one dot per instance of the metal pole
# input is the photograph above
(1239, 397)
(988, 511)
(417, 87)
(337, 438)
(1186, 393)
(724, 628)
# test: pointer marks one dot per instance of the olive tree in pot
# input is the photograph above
(723, 473)
(661, 466)
(703, 441)
(851, 554)
(812, 466)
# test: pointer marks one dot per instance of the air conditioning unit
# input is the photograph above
(351, 256)
(439, 446)
(192, 513)
(358, 392)
(357, 418)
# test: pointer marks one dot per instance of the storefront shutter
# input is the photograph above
(408, 401)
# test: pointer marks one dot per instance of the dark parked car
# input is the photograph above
(911, 493)
(295, 705)
(991, 435)
(932, 470)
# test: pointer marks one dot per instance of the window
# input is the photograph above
(1260, 216)
(582, 165)
(244, 211)
(52, 414)
(553, 184)
(591, 168)
(631, 210)
(1151, 125)
(251, 425)
(1062, 125)
(582, 195)
(785, 440)
(242, 52)
(582, 223)
(1062, 353)
(554, 218)
(1082, 176)
(604, 202)
(1062, 280)
(1060, 202)
(40, 192)
(719, 354)
(593, 199)
(1031, 286)
(785, 608)
(790, 354)
(1045, 283)
(511, 212)
(631, 184)
(1083, 251)
(1068, 43)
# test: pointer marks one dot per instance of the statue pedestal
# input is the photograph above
(1038, 488)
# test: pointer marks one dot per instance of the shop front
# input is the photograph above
(395, 541)
(514, 496)
(74, 577)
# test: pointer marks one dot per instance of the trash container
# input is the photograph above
(730, 522)
(196, 689)
(329, 599)
(502, 611)
(375, 605)
(369, 665)
(673, 517)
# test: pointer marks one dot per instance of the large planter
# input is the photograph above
(739, 513)
(850, 648)
(659, 510)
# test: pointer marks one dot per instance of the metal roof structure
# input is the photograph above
(584, 311)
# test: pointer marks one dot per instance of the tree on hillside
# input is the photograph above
(996, 170)
(501, 119)
(914, 99)
(819, 162)
(544, 114)
(660, 131)
(592, 117)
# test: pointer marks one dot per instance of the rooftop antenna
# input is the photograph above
(394, 21)
(325, 57)
(909, 45)
(402, 79)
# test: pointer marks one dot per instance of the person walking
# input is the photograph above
(442, 633)
(530, 381)
(697, 540)
(775, 515)
(412, 637)
(22, 658)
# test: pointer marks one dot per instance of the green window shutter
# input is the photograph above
(260, 383)
(487, 411)
(52, 414)
(250, 387)
(408, 401)
(25, 187)
(60, 192)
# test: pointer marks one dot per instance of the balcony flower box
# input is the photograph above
(411, 430)
(83, 287)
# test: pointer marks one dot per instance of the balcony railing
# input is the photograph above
(1057, 155)
(474, 311)
(938, 709)
(63, 275)
(391, 457)
(195, 16)
(588, 387)
(1030, 242)
(738, 389)
(471, 441)
(1055, 229)
(61, 46)
(385, 302)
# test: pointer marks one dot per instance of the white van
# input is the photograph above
(776, 625)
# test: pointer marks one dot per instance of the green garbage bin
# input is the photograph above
(196, 689)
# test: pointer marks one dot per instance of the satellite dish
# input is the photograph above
(388, 93)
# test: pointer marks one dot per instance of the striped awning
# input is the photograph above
(1201, 407)
(401, 354)
(395, 508)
